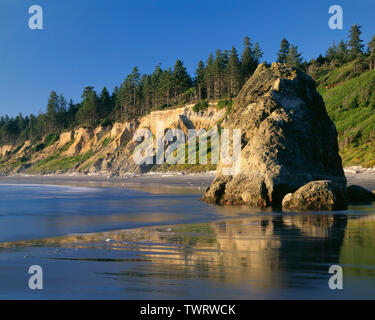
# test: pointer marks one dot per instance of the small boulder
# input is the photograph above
(317, 195)
(357, 194)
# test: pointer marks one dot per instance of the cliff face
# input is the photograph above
(103, 150)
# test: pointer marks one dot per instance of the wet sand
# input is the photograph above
(173, 182)
(209, 252)
(273, 257)
(153, 183)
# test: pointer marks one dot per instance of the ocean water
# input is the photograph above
(116, 243)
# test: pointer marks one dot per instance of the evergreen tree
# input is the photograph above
(134, 80)
(219, 68)
(234, 72)
(86, 92)
(209, 76)
(52, 110)
(199, 80)
(154, 81)
(247, 60)
(371, 50)
(342, 52)
(282, 54)
(166, 84)
(294, 58)
(331, 53)
(61, 112)
(71, 114)
(371, 46)
(355, 43)
(181, 79)
(320, 60)
(105, 103)
(62, 104)
(87, 114)
(258, 53)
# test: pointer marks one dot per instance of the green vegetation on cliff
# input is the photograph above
(351, 105)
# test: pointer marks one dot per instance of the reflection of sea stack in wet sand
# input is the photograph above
(288, 143)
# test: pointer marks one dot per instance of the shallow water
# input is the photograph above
(178, 248)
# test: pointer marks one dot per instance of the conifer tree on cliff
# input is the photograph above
(258, 54)
(355, 42)
(209, 76)
(234, 72)
(294, 58)
(181, 79)
(219, 67)
(250, 58)
(105, 103)
(342, 52)
(87, 114)
(371, 49)
(331, 53)
(282, 54)
(52, 110)
(61, 112)
(199, 80)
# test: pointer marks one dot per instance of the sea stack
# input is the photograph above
(288, 141)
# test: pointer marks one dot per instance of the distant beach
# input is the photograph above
(160, 182)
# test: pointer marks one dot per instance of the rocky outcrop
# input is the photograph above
(4, 150)
(357, 194)
(117, 157)
(65, 138)
(317, 195)
(85, 139)
(287, 140)
(185, 117)
(23, 149)
(122, 133)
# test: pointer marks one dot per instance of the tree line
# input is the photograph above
(221, 76)
(353, 50)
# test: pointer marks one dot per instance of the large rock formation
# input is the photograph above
(288, 140)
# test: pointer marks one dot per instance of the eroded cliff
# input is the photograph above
(103, 150)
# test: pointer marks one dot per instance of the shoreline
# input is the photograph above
(170, 182)
(364, 177)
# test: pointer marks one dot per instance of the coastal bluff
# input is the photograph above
(288, 142)
(104, 150)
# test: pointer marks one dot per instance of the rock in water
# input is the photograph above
(317, 195)
(287, 140)
(358, 194)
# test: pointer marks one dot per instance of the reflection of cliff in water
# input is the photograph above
(265, 251)
(259, 251)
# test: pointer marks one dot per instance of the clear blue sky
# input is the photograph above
(97, 42)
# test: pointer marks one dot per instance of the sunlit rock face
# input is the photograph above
(317, 195)
(287, 140)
